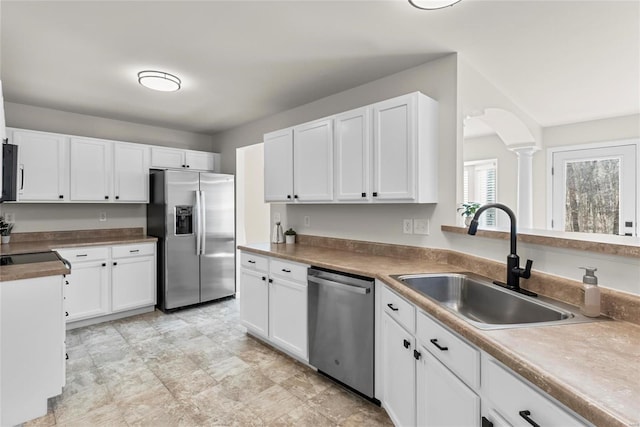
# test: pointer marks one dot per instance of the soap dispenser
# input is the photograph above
(591, 303)
(278, 234)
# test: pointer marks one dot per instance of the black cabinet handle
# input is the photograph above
(264, 278)
(66, 314)
(270, 280)
(115, 263)
(406, 344)
(364, 194)
(374, 194)
(60, 196)
(434, 341)
(188, 166)
(66, 356)
(392, 307)
(106, 197)
(80, 255)
(117, 197)
(251, 261)
(295, 196)
(288, 196)
(486, 422)
(286, 270)
(66, 282)
(416, 354)
(525, 414)
(184, 166)
(133, 251)
(104, 264)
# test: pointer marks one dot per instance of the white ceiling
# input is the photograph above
(559, 61)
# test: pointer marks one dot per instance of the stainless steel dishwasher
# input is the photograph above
(341, 325)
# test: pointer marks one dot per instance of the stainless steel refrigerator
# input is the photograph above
(192, 215)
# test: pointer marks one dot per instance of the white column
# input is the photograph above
(525, 185)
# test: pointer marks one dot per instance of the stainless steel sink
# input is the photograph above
(488, 306)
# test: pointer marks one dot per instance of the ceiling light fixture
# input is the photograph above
(159, 80)
(432, 4)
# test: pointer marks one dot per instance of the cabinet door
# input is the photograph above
(43, 163)
(288, 316)
(399, 373)
(88, 290)
(394, 148)
(131, 172)
(352, 155)
(200, 160)
(278, 166)
(313, 161)
(90, 170)
(165, 157)
(254, 301)
(133, 283)
(442, 399)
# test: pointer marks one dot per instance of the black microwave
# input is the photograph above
(9, 172)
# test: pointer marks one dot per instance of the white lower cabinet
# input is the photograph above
(273, 302)
(107, 280)
(436, 378)
(31, 347)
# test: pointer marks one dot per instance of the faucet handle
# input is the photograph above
(526, 273)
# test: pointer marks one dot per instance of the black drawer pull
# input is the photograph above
(117, 197)
(115, 263)
(434, 341)
(525, 414)
(66, 314)
(288, 196)
(486, 422)
(286, 270)
(406, 344)
(264, 278)
(416, 354)
(251, 261)
(66, 356)
(133, 251)
(375, 194)
(392, 307)
(80, 255)
(364, 194)
(270, 280)
(59, 196)
(66, 282)
(104, 264)
(106, 197)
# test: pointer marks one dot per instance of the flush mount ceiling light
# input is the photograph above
(159, 80)
(432, 4)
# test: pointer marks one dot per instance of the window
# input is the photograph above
(594, 189)
(480, 185)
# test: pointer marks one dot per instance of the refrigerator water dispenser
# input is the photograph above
(184, 220)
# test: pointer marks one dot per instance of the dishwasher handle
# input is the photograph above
(348, 288)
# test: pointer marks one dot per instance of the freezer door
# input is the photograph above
(182, 278)
(217, 262)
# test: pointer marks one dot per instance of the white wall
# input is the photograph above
(44, 217)
(436, 79)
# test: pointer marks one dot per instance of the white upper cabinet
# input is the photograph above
(130, 172)
(382, 153)
(165, 157)
(90, 169)
(405, 150)
(352, 155)
(278, 166)
(43, 166)
(175, 158)
(313, 161)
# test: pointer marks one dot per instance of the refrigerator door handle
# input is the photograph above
(198, 220)
(203, 223)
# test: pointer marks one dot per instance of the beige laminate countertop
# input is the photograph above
(54, 268)
(592, 368)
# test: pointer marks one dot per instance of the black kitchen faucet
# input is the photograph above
(514, 272)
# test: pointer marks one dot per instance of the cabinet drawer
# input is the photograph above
(89, 253)
(138, 249)
(511, 396)
(399, 309)
(254, 262)
(288, 270)
(461, 358)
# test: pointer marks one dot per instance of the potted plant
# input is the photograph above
(5, 230)
(290, 236)
(468, 211)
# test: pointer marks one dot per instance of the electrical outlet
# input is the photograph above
(407, 226)
(421, 226)
(9, 217)
(307, 221)
(276, 217)
(102, 216)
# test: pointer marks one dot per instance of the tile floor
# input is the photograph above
(195, 367)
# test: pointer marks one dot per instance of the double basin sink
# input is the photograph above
(488, 306)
